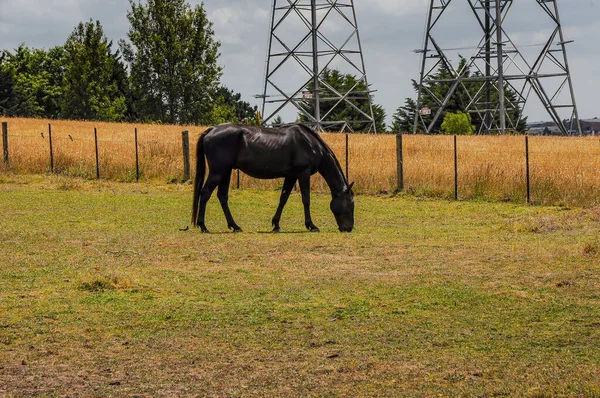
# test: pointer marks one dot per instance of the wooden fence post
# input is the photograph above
(137, 158)
(455, 169)
(400, 162)
(527, 170)
(51, 149)
(97, 158)
(185, 140)
(347, 156)
(5, 141)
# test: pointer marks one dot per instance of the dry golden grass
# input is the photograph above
(563, 170)
(160, 153)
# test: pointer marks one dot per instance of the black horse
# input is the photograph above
(293, 152)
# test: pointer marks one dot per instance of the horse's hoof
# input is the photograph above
(314, 229)
(235, 229)
(276, 229)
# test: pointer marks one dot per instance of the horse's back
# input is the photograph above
(263, 152)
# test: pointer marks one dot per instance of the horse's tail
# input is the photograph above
(199, 178)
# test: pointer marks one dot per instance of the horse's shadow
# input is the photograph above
(283, 232)
(250, 232)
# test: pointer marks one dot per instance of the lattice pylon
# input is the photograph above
(307, 38)
(499, 65)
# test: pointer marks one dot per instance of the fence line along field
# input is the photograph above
(564, 170)
(74, 148)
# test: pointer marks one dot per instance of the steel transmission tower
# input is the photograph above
(499, 76)
(308, 39)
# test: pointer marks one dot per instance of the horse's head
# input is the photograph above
(342, 207)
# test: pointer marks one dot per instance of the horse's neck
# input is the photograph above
(333, 175)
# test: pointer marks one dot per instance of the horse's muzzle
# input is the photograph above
(346, 229)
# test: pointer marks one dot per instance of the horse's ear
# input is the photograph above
(350, 186)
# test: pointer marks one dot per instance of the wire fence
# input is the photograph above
(537, 170)
(540, 170)
(123, 154)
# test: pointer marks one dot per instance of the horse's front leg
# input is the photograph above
(223, 195)
(288, 185)
(304, 181)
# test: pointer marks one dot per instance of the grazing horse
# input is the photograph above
(293, 152)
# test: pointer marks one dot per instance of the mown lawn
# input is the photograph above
(101, 294)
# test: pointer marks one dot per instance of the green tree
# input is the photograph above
(458, 123)
(8, 98)
(31, 82)
(91, 90)
(277, 121)
(121, 78)
(434, 91)
(343, 111)
(172, 56)
(220, 112)
(403, 118)
(243, 111)
(458, 102)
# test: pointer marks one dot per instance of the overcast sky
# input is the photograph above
(390, 30)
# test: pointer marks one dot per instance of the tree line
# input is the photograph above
(165, 72)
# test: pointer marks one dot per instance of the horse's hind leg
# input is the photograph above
(211, 183)
(223, 195)
(288, 185)
(304, 180)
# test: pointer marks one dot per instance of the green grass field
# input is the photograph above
(102, 295)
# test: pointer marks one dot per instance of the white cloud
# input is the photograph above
(38, 9)
(234, 24)
(397, 7)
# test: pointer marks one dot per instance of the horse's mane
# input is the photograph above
(312, 132)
